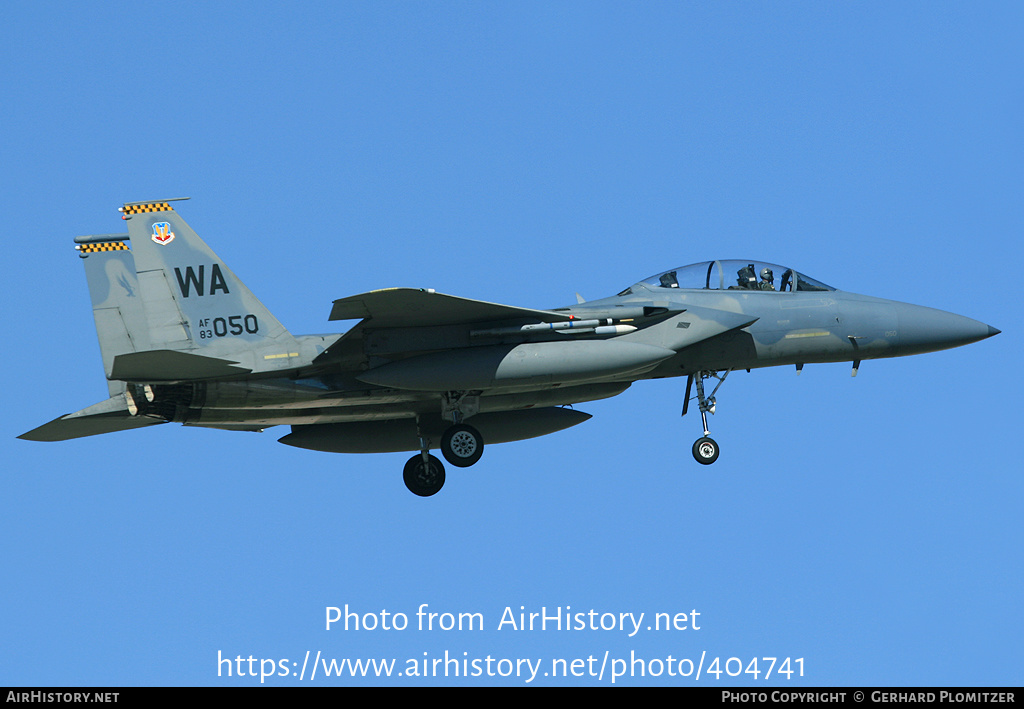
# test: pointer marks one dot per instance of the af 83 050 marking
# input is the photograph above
(231, 325)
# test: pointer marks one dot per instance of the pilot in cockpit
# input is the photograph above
(767, 279)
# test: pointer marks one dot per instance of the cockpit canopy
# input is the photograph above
(735, 275)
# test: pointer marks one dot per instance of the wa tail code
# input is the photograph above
(190, 280)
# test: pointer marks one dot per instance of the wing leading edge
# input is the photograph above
(414, 307)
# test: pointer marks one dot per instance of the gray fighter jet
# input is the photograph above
(183, 339)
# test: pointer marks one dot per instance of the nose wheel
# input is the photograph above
(705, 449)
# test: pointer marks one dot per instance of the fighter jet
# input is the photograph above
(183, 339)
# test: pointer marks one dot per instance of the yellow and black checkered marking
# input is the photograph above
(106, 246)
(148, 207)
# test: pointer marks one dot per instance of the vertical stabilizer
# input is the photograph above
(116, 304)
(170, 308)
(192, 299)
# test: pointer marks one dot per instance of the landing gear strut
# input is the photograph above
(705, 449)
(423, 474)
(461, 445)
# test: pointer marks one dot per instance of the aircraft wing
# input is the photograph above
(414, 307)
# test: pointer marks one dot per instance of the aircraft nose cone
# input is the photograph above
(928, 330)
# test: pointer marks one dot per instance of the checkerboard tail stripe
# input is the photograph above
(146, 207)
(106, 246)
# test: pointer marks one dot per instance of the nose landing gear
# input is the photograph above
(705, 449)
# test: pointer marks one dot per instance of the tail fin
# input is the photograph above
(167, 310)
(170, 308)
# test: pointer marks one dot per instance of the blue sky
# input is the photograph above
(520, 153)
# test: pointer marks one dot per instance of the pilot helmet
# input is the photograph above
(767, 275)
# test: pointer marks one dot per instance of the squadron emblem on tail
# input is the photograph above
(162, 233)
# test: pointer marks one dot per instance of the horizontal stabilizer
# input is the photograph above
(413, 307)
(105, 417)
(169, 365)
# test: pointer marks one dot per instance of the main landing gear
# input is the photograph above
(705, 449)
(461, 445)
(423, 475)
